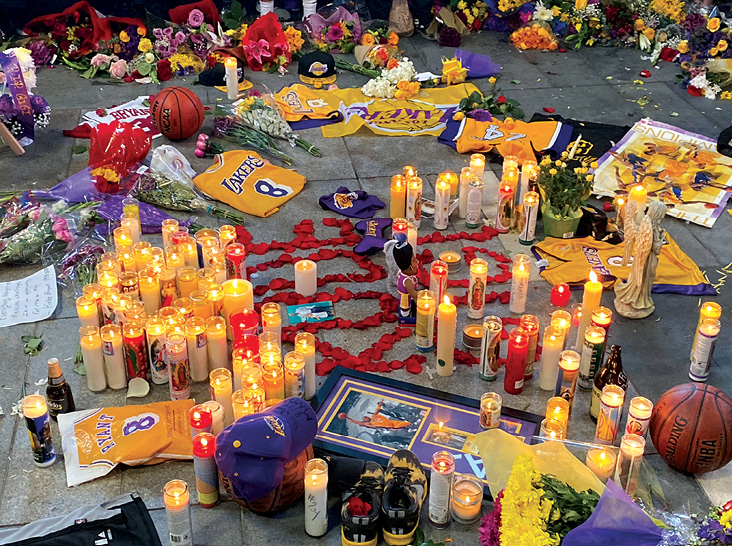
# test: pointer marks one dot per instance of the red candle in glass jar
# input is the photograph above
(180, 237)
(560, 295)
(518, 346)
(236, 257)
(204, 465)
(201, 419)
(243, 321)
(249, 342)
(438, 278)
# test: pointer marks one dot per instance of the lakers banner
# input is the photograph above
(424, 114)
(682, 169)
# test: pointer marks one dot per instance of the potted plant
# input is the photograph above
(564, 190)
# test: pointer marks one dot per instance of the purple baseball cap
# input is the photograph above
(252, 453)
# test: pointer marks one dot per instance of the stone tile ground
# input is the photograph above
(595, 84)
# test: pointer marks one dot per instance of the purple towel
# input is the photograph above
(479, 66)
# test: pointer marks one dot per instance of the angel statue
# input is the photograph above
(633, 296)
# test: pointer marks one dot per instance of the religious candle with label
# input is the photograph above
(551, 350)
(238, 293)
(244, 322)
(440, 489)
(593, 352)
(204, 466)
(222, 386)
(490, 410)
(86, 308)
(408, 171)
(529, 174)
(569, 362)
(178, 513)
(467, 499)
(272, 319)
(155, 328)
(708, 310)
(490, 348)
(236, 266)
(639, 416)
(703, 350)
(590, 302)
(398, 202)
(305, 345)
(135, 349)
(38, 423)
(475, 200)
(527, 232)
(519, 283)
(518, 346)
(168, 286)
(438, 278)
(316, 497)
(184, 306)
(197, 349)
(447, 325)
(218, 349)
(414, 201)
(466, 175)
(530, 325)
(611, 409)
(477, 163)
(424, 331)
(176, 356)
(200, 418)
(294, 375)
(557, 409)
(306, 277)
(128, 284)
(91, 351)
(114, 360)
(476, 288)
(441, 217)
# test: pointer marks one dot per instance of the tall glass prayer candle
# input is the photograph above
(603, 318)
(518, 346)
(519, 283)
(135, 311)
(560, 295)
(490, 348)
(551, 429)
(466, 175)
(222, 386)
(86, 308)
(627, 472)
(708, 310)
(218, 264)
(176, 356)
(210, 248)
(108, 279)
(490, 410)
(593, 352)
(453, 180)
(135, 349)
(126, 258)
(128, 285)
(273, 375)
(467, 499)
(242, 404)
(205, 276)
(238, 293)
(477, 163)
(476, 290)
(109, 262)
(505, 208)
(177, 501)
(217, 413)
(590, 302)
(236, 261)
(569, 362)
(414, 201)
(187, 281)
(218, 348)
(109, 295)
(244, 322)
(38, 423)
(227, 235)
(530, 325)
(447, 325)
(305, 345)
(168, 286)
(703, 350)
(611, 409)
(114, 360)
(155, 332)
(440, 489)
(398, 201)
(639, 416)
(180, 235)
(409, 171)
(197, 349)
(157, 256)
(190, 250)
(91, 351)
(441, 217)
(176, 324)
(557, 409)
(551, 350)
(529, 174)
(475, 201)
(294, 375)
(251, 374)
(184, 306)
(204, 466)
(527, 232)
(510, 162)
(149, 285)
(120, 304)
(563, 320)
(122, 237)
(240, 359)
(438, 278)
(206, 234)
(200, 418)
(202, 306)
(169, 227)
(141, 254)
(316, 497)
(272, 319)
(216, 297)
(424, 331)
(175, 257)
(132, 223)
(94, 291)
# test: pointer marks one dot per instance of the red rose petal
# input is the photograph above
(548, 110)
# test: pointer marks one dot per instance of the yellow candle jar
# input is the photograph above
(149, 283)
(122, 237)
(128, 285)
(294, 375)
(273, 376)
(216, 297)
(184, 306)
(240, 359)
(242, 403)
(175, 257)
(557, 408)
(205, 276)
(108, 279)
(141, 254)
(238, 293)
(202, 306)
(187, 280)
(126, 257)
(305, 345)
(227, 234)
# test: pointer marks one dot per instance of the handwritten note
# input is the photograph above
(28, 300)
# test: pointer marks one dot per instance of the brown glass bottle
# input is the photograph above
(58, 393)
(611, 373)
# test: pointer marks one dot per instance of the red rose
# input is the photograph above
(59, 30)
(668, 54)
(164, 71)
(694, 91)
(501, 99)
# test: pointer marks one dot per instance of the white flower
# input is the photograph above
(542, 13)
(41, 382)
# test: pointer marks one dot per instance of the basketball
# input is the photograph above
(691, 427)
(177, 112)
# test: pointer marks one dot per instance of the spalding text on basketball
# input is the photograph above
(673, 438)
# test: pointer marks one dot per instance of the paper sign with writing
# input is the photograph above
(28, 300)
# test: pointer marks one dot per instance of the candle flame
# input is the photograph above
(467, 499)
(560, 289)
(441, 424)
(602, 456)
(593, 276)
(446, 300)
(196, 415)
(204, 442)
(552, 435)
(621, 202)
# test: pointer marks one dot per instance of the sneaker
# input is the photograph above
(361, 509)
(404, 493)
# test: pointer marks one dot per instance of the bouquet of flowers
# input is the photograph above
(471, 12)
(167, 41)
(715, 528)
(9, 112)
(266, 46)
(47, 232)
(375, 56)
(577, 22)
(229, 128)
(703, 55)
(379, 35)
(79, 265)
(338, 33)
(396, 81)
(494, 103)
(536, 35)
(15, 214)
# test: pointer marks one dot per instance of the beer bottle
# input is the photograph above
(611, 373)
(58, 393)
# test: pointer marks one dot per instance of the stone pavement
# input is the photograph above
(595, 84)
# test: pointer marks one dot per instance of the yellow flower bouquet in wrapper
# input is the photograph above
(535, 35)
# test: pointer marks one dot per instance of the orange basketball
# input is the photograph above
(691, 427)
(177, 112)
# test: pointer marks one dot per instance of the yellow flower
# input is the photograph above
(726, 95)
(649, 33)
(564, 165)
(552, 172)
(565, 154)
(145, 45)
(683, 46)
(294, 39)
(458, 116)
(393, 38)
(117, 48)
(556, 11)
(639, 25)
(594, 165)
(545, 160)
(462, 5)
(367, 39)
(558, 163)
(722, 45)
(149, 58)
(510, 123)
(713, 24)
(564, 17)
(124, 37)
(726, 518)
(713, 52)
(590, 177)
(470, 18)
(579, 5)
(400, 95)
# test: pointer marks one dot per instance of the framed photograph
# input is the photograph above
(369, 417)
(319, 311)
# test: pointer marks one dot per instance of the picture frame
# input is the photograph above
(368, 416)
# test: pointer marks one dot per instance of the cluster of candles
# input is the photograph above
(518, 200)
(452, 496)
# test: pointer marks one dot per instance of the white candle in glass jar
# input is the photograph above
(306, 277)
(197, 350)
(218, 347)
(305, 345)
(114, 360)
(519, 283)
(178, 513)
(221, 390)
(91, 351)
(316, 497)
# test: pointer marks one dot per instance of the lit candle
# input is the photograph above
(200, 419)
(135, 349)
(114, 360)
(242, 404)
(467, 499)
(157, 257)
(218, 264)
(530, 325)
(551, 349)
(611, 409)
(175, 257)
(593, 352)
(639, 416)
(529, 174)
(206, 275)
(590, 302)
(409, 172)
(190, 251)
(141, 254)
(218, 348)
(197, 350)
(440, 489)
(169, 227)
(86, 308)
(476, 290)
(232, 78)
(510, 176)
(628, 468)
(453, 261)
(122, 237)
(244, 322)
(132, 223)
(185, 307)
(441, 217)
(472, 336)
(639, 196)
(108, 279)
(187, 280)
(238, 293)
(475, 201)
(306, 277)
(241, 359)
(256, 394)
(221, 389)
(453, 180)
(273, 375)
(178, 513)
(227, 234)
(519, 283)
(563, 320)
(527, 232)
(551, 429)
(91, 351)
(316, 497)
(601, 460)
(557, 408)
(94, 292)
(128, 284)
(518, 346)
(149, 283)
(560, 294)
(477, 163)
(398, 203)
(569, 362)
(504, 208)
(236, 261)
(490, 410)
(447, 325)
(438, 278)
(703, 350)
(135, 311)
(38, 422)
(424, 331)
(217, 413)
(126, 257)
(216, 297)
(708, 310)
(294, 375)
(155, 332)
(414, 201)
(176, 356)
(168, 286)
(204, 466)
(466, 174)
(490, 348)
(305, 345)
(619, 211)
(510, 163)
(603, 318)
(202, 306)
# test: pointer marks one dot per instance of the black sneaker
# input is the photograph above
(361, 509)
(404, 493)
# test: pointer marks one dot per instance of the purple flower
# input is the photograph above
(7, 106)
(490, 527)
(38, 103)
(222, 125)
(195, 18)
(41, 53)
(481, 115)
(335, 33)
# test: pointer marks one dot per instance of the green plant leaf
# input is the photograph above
(144, 69)
(79, 149)
(32, 345)
(516, 82)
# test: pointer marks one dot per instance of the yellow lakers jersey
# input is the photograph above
(569, 261)
(299, 102)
